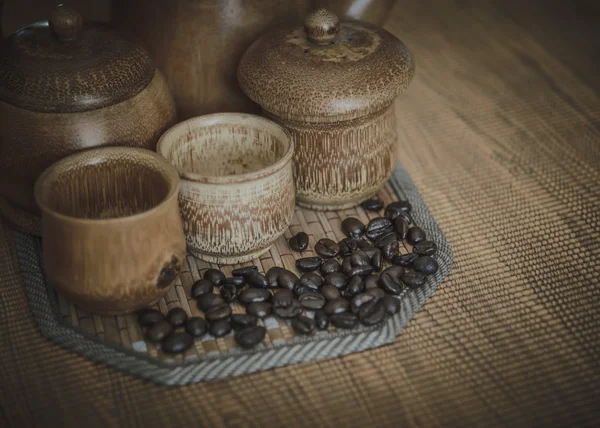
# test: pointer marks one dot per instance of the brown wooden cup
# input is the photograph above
(112, 236)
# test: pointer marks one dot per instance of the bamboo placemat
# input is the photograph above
(119, 341)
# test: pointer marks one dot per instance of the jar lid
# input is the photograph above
(66, 65)
(325, 71)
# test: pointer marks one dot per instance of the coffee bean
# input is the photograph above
(159, 331)
(390, 284)
(415, 235)
(255, 279)
(392, 213)
(347, 246)
(177, 343)
(371, 313)
(373, 204)
(344, 320)
(250, 336)
(384, 239)
(330, 266)
(285, 304)
(201, 287)
(401, 205)
(308, 264)
(238, 281)
(394, 271)
(336, 306)
(377, 261)
(149, 317)
(363, 242)
(414, 279)
(405, 260)
(218, 313)
(356, 285)
(359, 300)
(327, 248)
(254, 295)
(214, 275)
(303, 325)
(371, 281)
(353, 227)
(336, 279)
(229, 292)
(330, 292)
(312, 300)
(311, 280)
(298, 242)
(378, 293)
(425, 248)
(391, 248)
(359, 258)
(301, 289)
(272, 276)
(209, 300)
(391, 304)
(321, 320)
(196, 326)
(401, 228)
(260, 310)
(243, 271)
(347, 265)
(378, 227)
(287, 279)
(177, 317)
(360, 271)
(283, 295)
(220, 327)
(426, 265)
(239, 321)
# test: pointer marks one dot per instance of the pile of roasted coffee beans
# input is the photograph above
(354, 281)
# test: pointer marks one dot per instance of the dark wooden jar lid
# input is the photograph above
(325, 71)
(67, 65)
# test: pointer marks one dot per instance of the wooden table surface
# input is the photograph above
(501, 133)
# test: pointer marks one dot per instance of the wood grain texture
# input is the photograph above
(500, 133)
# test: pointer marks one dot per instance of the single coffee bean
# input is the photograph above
(238, 281)
(239, 321)
(363, 242)
(359, 300)
(373, 204)
(371, 313)
(378, 293)
(426, 265)
(196, 326)
(384, 239)
(303, 325)
(287, 279)
(321, 320)
(336, 279)
(405, 260)
(378, 227)
(214, 275)
(302, 288)
(391, 248)
(377, 261)
(210, 300)
(370, 252)
(177, 317)
(253, 295)
(401, 228)
(283, 295)
(360, 271)
(312, 300)
(159, 331)
(177, 343)
(249, 337)
(394, 271)
(346, 265)
(330, 292)
(327, 248)
(359, 258)
(336, 306)
(285, 304)
(312, 280)
(309, 264)
(391, 304)
(390, 284)
(220, 327)
(218, 313)
(258, 280)
(229, 292)
(149, 317)
(414, 279)
(353, 227)
(298, 242)
(330, 266)
(344, 320)
(201, 287)
(356, 285)
(371, 281)
(260, 310)
(272, 276)
(425, 248)
(392, 213)
(243, 271)
(415, 235)
(347, 246)
(401, 205)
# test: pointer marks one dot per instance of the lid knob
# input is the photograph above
(65, 23)
(321, 26)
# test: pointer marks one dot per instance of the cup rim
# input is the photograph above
(168, 172)
(167, 140)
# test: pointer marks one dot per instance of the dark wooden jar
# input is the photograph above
(65, 86)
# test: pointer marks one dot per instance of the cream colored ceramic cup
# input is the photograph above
(237, 187)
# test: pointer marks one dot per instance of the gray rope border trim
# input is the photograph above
(44, 306)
